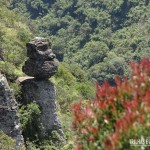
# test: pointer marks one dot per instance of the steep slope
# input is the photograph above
(14, 33)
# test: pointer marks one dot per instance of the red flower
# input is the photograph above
(111, 142)
(131, 105)
(91, 139)
(88, 111)
(146, 99)
(94, 130)
(79, 147)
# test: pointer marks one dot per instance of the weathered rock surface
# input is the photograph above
(40, 69)
(39, 50)
(9, 120)
(1, 54)
(41, 63)
(44, 94)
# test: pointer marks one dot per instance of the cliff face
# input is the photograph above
(9, 120)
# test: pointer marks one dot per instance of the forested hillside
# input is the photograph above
(93, 39)
(71, 81)
(100, 36)
(14, 33)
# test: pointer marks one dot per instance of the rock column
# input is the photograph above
(41, 66)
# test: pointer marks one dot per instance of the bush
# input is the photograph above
(6, 142)
(117, 114)
(29, 115)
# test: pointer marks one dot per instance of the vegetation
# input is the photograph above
(89, 32)
(117, 114)
(13, 36)
(93, 40)
(6, 142)
(28, 118)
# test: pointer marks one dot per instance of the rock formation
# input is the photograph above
(9, 120)
(44, 94)
(41, 65)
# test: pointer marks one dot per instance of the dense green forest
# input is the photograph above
(100, 36)
(93, 40)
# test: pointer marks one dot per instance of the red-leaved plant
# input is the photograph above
(117, 114)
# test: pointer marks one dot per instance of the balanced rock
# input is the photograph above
(41, 63)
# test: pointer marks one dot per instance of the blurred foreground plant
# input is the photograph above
(117, 114)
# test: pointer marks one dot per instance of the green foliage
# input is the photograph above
(65, 75)
(71, 81)
(93, 53)
(28, 116)
(23, 35)
(10, 70)
(118, 113)
(136, 134)
(6, 142)
(17, 89)
(112, 65)
(71, 84)
(98, 36)
(13, 36)
(86, 31)
(49, 145)
(85, 89)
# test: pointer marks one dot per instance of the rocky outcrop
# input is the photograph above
(9, 120)
(41, 65)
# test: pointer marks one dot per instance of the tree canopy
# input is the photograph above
(85, 32)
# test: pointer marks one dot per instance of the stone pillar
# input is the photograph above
(41, 65)
(44, 94)
(9, 120)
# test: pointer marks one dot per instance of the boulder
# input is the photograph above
(40, 69)
(41, 63)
